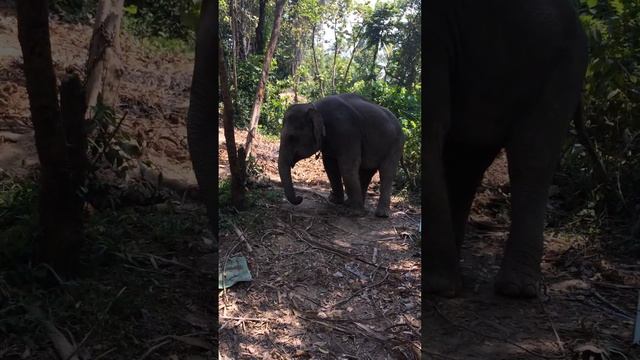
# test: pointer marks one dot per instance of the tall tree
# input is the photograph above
(318, 76)
(60, 141)
(259, 99)
(236, 157)
(234, 44)
(260, 28)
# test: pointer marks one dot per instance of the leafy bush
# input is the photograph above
(276, 103)
(612, 109)
(162, 18)
(73, 10)
(18, 220)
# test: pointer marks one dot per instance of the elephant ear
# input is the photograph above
(318, 125)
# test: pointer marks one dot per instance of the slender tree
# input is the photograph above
(315, 61)
(60, 141)
(236, 157)
(260, 28)
(259, 99)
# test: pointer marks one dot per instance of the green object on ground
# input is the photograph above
(235, 270)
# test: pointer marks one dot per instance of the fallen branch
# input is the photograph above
(243, 318)
(241, 236)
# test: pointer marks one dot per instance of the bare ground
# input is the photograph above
(327, 285)
(587, 307)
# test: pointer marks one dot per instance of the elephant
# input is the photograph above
(497, 75)
(203, 111)
(356, 139)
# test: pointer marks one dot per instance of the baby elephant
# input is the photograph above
(356, 138)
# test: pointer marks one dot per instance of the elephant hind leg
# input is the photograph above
(365, 180)
(533, 152)
(464, 169)
(387, 171)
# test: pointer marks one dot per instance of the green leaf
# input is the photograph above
(131, 9)
(618, 5)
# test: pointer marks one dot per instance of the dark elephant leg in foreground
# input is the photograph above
(533, 152)
(335, 179)
(464, 168)
(442, 270)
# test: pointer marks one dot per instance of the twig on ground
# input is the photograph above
(55, 274)
(244, 318)
(241, 236)
(154, 348)
(616, 286)
(174, 262)
(104, 354)
(610, 304)
(553, 327)
(101, 317)
(361, 290)
(60, 342)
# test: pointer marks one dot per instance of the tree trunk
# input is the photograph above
(335, 54)
(260, 28)
(257, 104)
(236, 157)
(355, 46)
(315, 61)
(234, 44)
(241, 41)
(104, 65)
(372, 71)
(60, 142)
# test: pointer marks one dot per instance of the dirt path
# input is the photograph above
(326, 285)
(590, 296)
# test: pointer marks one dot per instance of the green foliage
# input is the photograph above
(612, 108)
(276, 103)
(162, 18)
(18, 220)
(108, 145)
(378, 57)
(74, 10)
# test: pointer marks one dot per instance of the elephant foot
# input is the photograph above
(333, 198)
(382, 212)
(517, 282)
(448, 286)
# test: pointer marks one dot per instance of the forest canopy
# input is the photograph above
(325, 48)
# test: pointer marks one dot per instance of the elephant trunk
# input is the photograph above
(284, 168)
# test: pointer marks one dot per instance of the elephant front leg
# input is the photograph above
(333, 173)
(441, 263)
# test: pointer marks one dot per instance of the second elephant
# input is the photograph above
(356, 139)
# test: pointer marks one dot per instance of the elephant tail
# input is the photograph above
(578, 121)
